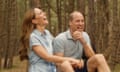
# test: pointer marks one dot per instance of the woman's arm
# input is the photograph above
(40, 51)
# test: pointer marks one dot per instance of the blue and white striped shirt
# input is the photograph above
(38, 64)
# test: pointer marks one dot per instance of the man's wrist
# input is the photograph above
(83, 41)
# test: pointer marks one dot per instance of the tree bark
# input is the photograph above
(11, 23)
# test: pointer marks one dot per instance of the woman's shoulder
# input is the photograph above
(34, 34)
(47, 31)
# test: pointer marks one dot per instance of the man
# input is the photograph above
(75, 41)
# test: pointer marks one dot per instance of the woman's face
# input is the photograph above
(40, 17)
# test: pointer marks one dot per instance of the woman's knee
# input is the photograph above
(65, 64)
(66, 67)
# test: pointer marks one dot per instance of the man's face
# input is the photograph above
(77, 24)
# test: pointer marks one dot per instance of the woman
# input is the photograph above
(36, 42)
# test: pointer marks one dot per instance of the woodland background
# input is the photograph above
(102, 19)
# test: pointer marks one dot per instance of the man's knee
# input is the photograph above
(99, 58)
(91, 64)
(96, 60)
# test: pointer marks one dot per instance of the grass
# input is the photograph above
(18, 66)
(117, 68)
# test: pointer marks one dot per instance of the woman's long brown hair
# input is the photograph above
(27, 28)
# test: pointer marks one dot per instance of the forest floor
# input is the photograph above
(19, 66)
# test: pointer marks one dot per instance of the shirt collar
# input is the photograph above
(39, 33)
(68, 34)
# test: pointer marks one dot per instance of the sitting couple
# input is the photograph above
(63, 53)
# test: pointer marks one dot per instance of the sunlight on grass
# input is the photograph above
(117, 68)
(18, 66)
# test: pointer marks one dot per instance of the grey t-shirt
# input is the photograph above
(65, 44)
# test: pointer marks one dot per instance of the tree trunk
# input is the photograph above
(114, 34)
(11, 23)
(65, 15)
(35, 3)
(90, 25)
(59, 15)
(1, 29)
(6, 19)
(81, 5)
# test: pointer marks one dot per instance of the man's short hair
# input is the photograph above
(72, 14)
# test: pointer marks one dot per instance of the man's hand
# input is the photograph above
(81, 64)
(77, 35)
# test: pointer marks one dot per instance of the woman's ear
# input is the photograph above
(34, 21)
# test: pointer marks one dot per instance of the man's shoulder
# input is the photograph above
(85, 34)
(86, 37)
(61, 35)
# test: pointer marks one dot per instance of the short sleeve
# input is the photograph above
(34, 41)
(87, 38)
(88, 41)
(58, 46)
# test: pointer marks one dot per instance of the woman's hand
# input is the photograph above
(77, 63)
(80, 64)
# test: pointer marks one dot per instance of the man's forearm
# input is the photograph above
(87, 48)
